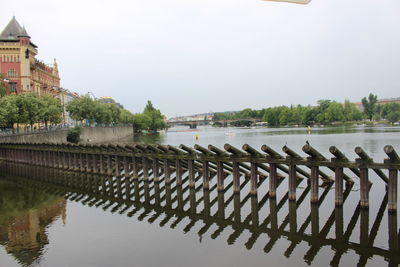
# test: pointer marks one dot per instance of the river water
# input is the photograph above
(45, 224)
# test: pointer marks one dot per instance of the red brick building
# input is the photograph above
(19, 66)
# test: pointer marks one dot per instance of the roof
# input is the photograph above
(13, 30)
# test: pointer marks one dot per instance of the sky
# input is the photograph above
(196, 56)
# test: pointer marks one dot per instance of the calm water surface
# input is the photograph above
(45, 224)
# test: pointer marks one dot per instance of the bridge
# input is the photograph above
(194, 123)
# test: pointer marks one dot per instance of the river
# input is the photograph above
(43, 224)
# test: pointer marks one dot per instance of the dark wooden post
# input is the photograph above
(392, 190)
(339, 222)
(292, 182)
(314, 219)
(178, 172)
(116, 164)
(179, 194)
(81, 161)
(254, 210)
(237, 208)
(272, 180)
(109, 169)
(393, 234)
(167, 171)
(273, 211)
(253, 178)
(206, 198)
(221, 205)
(220, 176)
(145, 169)
(393, 176)
(126, 167)
(156, 168)
(364, 188)
(192, 198)
(314, 184)
(135, 168)
(339, 186)
(191, 173)
(206, 175)
(236, 177)
(292, 217)
(94, 164)
(364, 227)
(101, 164)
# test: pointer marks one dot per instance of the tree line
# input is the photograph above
(94, 112)
(29, 109)
(327, 111)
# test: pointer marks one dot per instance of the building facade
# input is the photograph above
(19, 66)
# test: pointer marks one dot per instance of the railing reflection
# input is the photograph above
(172, 203)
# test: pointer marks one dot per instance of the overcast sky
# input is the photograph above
(194, 56)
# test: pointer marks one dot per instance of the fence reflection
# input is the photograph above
(172, 203)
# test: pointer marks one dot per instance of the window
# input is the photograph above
(13, 87)
(12, 73)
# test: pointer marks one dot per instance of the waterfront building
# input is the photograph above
(19, 65)
(110, 100)
(379, 102)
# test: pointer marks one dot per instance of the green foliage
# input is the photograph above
(153, 117)
(369, 105)
(394, 116)
(83, 108)
(29, 109)
(74, 134)
(51, 110)
(3, 86)
(242, 123)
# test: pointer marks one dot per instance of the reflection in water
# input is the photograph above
(297, 221)
(25, 214)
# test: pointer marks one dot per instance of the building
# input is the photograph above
(379, 102)
(65, 97)
(19, 66)
(110, 100)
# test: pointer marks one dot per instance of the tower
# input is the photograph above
(19, 65)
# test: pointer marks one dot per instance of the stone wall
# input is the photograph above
(89, 135)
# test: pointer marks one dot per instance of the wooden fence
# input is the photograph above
(247, 164)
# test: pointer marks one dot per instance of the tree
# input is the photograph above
(3, 90)
(369, 105)
(51, 110)
(29, 108)
(82, 108)
(9, 111)
(351, 112)
(114, 111)
(394, 116)
(126, 116)
(140, 122)
(156, 119)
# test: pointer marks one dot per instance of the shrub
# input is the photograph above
(74, 134)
